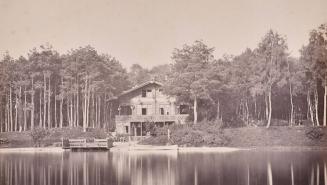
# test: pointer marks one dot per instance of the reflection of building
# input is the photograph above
(146, 104)
(138, 168)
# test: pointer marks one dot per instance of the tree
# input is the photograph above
(138, 75)
(188, 79)
(315, 54)
(219, 80)
(294, 77)
(242, 81)
(270, 65)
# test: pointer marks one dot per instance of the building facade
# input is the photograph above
(146, 104)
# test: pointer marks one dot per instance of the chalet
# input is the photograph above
(146, 104)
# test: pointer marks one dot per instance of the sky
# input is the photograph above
(147, 31)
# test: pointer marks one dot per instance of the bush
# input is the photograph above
(314, 133)
(38, 135)
(151, 128)
(201, 134)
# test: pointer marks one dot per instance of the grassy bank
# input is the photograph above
(243, 137)
(23, 139)
(199, 135)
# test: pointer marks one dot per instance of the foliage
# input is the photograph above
(315, 133)
(262, 85)
(50, 90)
(151, 128)
(187, 80)
(38, 135)
(202, 134)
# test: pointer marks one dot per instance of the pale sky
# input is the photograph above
(147, 31)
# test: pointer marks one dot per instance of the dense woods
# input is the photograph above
(261, 86)
(257, 87)
(50, 90)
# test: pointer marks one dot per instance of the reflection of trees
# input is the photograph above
(136, 168)
(145, 168)
(269, 172)
(325, 172)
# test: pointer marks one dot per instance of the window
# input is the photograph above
(126, 129)
(162, 111)
(148, 93)
(143, 111)
(143, 93)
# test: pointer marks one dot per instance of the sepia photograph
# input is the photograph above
(163, 92)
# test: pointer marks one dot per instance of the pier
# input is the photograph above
(87, 144)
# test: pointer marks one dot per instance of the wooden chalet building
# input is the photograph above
(146, 104)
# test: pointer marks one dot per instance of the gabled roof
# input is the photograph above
(136, 88)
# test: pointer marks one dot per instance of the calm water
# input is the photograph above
(172, 168)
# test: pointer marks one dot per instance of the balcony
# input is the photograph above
(179, 118)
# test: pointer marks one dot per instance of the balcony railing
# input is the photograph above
(151, 118)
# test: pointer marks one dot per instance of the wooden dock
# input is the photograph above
(87, 144)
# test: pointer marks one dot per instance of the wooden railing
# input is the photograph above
(151, 118)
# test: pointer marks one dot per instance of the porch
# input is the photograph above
(178, 118)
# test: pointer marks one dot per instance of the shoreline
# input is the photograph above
(154, 149)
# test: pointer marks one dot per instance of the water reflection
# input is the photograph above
(97, 168)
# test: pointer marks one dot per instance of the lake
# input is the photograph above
(164, 168)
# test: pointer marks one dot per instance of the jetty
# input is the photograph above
(87, 144)
(151, 147)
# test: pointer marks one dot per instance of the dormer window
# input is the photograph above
(146, 93)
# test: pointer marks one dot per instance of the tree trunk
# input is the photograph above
(255, 108)
(67, 109)
(195, 111)
(77, 107)
(85, 106)
(44, 101)
(40, 109)
(16, 113)
(100, 120)
(88, 107)
(32, 103)
(10, 110)
(55, 108)
(270, 111)
(71, 110)
(95, 104)
(310, 108)
(110, 114)
(19, 110)
(247, 112)
(316, 106)
(267, 107)
(292, 105)
(325, 104)
(61, 103)
(49, 105)
(75, 112)
(218, 110)
(7, 114)
(25, 110)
